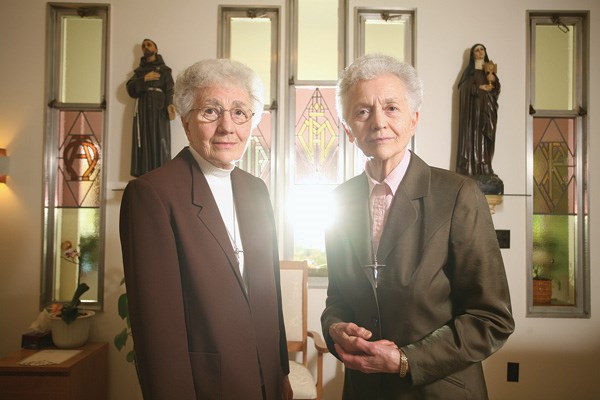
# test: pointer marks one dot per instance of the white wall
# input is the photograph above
(556, 356)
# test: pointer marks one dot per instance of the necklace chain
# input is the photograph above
(237, 250)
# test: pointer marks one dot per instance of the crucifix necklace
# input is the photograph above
(378, 206)
(376, 267)
(237, 250)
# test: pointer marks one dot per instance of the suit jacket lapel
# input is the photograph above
(210, 216)
(358, 225)
(403, 214)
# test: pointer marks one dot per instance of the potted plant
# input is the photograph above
(70, 325)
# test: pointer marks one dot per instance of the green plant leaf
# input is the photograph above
(131, 356)
(123, 310)
(121, 339)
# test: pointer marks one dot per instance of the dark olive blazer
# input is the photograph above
(443, 295)
(200, 330)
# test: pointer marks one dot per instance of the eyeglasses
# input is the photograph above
(213, 113)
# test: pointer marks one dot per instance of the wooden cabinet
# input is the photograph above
(83, 376)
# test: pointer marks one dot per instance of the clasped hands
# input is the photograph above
(357, 352)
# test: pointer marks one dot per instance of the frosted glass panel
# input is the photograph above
(251, 45)
(318, 40)
(385, 38)
(554, 68)
(81, 64)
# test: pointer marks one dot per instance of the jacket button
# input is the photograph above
(375, 321)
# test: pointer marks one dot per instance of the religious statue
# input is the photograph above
(479, 88)
(152, 87)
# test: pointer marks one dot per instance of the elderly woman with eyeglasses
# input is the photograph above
(200, 253)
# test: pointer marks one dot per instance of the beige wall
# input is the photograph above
(557, 356)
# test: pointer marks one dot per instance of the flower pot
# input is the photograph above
(542, 291)
(75, 334)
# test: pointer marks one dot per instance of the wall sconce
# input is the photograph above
(4, 165)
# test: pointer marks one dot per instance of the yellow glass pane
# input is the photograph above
(554, 68)
(251, 45)
(385, 38)
(318, 40)
(81, 64)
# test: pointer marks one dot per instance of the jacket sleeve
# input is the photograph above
(482, 318)
(154, 292)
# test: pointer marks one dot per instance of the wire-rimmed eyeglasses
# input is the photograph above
(238, 115)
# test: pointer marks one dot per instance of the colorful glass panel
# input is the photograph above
(555, 208)
(316, 137)
(79, 159)
(257, 158)
(554, 166)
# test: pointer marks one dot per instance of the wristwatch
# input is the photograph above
(403, 363)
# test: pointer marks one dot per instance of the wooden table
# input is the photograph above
(83, 376)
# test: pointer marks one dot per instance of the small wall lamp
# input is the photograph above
(4, 165)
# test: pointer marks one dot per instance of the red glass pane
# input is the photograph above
(554, 166)
(79, 159)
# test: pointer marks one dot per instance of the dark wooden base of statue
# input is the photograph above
(490, 184)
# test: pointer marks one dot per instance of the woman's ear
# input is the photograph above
(186, 126)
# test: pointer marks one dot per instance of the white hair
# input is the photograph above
(371, 66)
(213, 72)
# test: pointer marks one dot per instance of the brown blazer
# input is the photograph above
(443, 295)
(198, 332)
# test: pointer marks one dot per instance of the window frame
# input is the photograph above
(581, 308)
(55, 12)
(272, 105)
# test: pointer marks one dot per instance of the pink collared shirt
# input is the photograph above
(381, 195)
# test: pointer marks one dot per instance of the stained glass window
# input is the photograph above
(74, 185)
(79, 159)
(257, 159)
(316, 137)
(558, 207)
(555, 206)
(249, 35)
(299, 148)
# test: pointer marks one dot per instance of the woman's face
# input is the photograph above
(379, 119)
(479, 52)
(222, 141)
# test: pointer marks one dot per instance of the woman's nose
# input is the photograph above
(378, 118)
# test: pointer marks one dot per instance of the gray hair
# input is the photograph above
(219, 72)
(371, 66)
